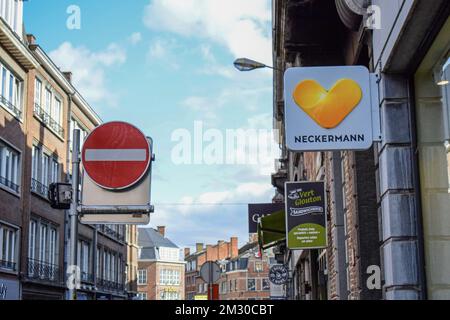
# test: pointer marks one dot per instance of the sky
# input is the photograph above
(166, 65)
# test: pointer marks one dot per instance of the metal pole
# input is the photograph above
(73, 215)
(211, 280)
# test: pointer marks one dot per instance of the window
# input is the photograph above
(169, 277)
(265, 285)
(11, 91)
(45, 169)
(99, 257)
(11, 11)
(48, 101)
(8, 246)
(42, 249)
(32, 240)
(251, 285)
(83, 255)
(223, 287)
(259, 266)
(56, 114)
(169, 254)
(142, 276)
(38, 92)
(3, 84)
(50, 114)
(54, 171)
(9, 167)
(142, 295)
(170, 295)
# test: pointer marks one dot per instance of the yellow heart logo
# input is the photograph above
(328, 108)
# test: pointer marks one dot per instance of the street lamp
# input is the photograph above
(244, 64)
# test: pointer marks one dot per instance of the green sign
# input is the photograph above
(306, 219)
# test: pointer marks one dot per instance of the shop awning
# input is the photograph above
(271, 229)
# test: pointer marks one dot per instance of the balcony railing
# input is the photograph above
(39, 188)
(10, 106)
(87, 277)
(43, 271)
(8, 265)
(48, 120)
(111, 232)
(110, 285)
(9, 184)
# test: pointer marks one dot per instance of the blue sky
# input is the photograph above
(161, 65)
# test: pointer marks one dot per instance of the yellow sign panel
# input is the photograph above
(328, 108)
(200, 297)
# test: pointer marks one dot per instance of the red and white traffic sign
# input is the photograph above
(116, 155)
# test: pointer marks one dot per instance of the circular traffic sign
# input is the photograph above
(116, 155)
(278, 274)
(210, 272)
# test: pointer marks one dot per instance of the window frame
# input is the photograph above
(12, 251)
(17, 169)
(142, 277)
(11, 91)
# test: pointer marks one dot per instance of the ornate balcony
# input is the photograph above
(43, 271)
(39, 188)
(9, 184)
(47, 120)
(8, 265)
(5, 102)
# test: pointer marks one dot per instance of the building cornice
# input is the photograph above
(59, 77)
(52, 69)
(16, 47)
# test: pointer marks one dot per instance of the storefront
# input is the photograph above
(432, 95)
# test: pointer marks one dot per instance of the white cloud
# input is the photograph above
(162, 49)
(135, 38)
(243, 27)
(89, 68)
(212, 67)
(188, 221)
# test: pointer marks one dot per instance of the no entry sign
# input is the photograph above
(116, 155)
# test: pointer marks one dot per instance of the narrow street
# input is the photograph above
(236, 158)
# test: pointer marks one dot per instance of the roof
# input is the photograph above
(151, 238)
(247, 247)
(147, 254)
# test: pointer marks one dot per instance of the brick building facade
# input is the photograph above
(160, 267)
(339, 271)
(39, 108)
(221, 251)
(386, 204)
(245, 277)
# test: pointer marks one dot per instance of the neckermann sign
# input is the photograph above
(331, 108)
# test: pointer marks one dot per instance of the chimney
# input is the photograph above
(162, 230)
(198, 247)
(210, 256)
(234, 250)
(187, 252)
(31, 39)
(68, 75)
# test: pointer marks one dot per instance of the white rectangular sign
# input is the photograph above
(328, 108)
